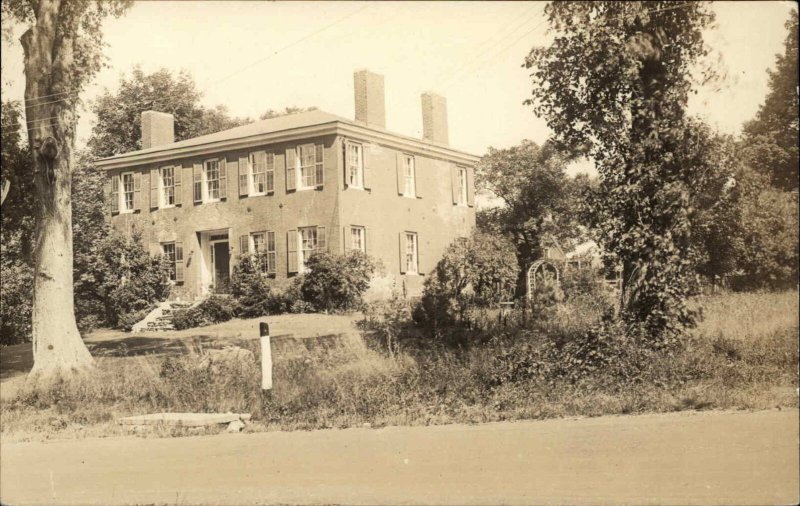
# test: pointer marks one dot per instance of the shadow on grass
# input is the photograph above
(18, 359)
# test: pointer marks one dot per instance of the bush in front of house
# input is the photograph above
(474, 272)
(215, 309)
(336, 283)
(251, 289)
(119, 280)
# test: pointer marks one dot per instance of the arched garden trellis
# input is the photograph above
(541, 273)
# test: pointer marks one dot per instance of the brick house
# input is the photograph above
(291, 185)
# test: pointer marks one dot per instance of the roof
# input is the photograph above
(257, 131)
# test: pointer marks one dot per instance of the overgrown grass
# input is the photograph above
(515, 374)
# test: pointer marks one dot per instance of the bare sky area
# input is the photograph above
(253, 56)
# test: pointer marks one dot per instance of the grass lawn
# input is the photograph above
(743, 355)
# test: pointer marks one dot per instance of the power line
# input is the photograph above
(65, 94)
(506, 47)
(471, 62)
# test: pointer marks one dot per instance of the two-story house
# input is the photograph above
(293, 185)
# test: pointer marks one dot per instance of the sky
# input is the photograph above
(254, 56)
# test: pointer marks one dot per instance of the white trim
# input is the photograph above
(336, 127)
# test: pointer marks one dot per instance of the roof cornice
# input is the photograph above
(335, 127)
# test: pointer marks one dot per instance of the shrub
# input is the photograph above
(336, 282)
(250, 288)
(475, 271)
(387, 319)
(16, 300)
(214, 309)
(121, 279)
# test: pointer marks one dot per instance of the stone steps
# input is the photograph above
(161, 317)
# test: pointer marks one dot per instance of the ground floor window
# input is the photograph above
(358, 239)
(168, 248)
(308, 243)
(264, 249)
(411, 253)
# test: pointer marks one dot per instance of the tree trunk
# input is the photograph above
(50, 114)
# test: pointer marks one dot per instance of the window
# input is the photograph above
(355, 165)
(126, 201)
(411, 253)
(308, 243)
(358, 239)
(168, 248)
(211, 179)
(262, 172)
(409, 172)
(462, 186)
(167, 187)
(308, 172)
(262, 245)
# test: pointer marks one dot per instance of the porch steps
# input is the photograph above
(160, 318)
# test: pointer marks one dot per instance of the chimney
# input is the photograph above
(158, 129)
(370, 107)
(434, 118)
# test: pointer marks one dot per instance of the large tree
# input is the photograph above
(62, 47)
(771, 139)
(615, 83)
(118, 126)
(537, 199)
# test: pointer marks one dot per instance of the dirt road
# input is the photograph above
(722, 458)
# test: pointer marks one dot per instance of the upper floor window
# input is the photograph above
(358, 239)
(409, 177)
(126, 192)
(355, 165)
(304, 167)
(211, 180)
(167, 187)
(462, 186)
(262, 166)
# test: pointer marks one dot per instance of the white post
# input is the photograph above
(266, 357)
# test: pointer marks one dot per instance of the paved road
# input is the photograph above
(723, 458)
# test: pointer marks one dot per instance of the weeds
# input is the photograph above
(540, 370)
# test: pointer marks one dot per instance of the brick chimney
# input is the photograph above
(370, 105)
(158, 129)
(434, 118)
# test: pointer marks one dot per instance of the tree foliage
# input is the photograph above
(474, 272)
(118, 126)
(615, 83)
(538, 199)
(336, 282)
(292, 109)
(771, 139)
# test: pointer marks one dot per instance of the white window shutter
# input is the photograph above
(155, 175)
(319, 165)
(179, 262)
(291, 251)
(322, 240)
(244, 244)
(291, 171)
(137, 191)
(470, 186)
(244, 187)
(176, 174)
(401, 176)
(197, 183)
(402, 241)
(223, 178)
(366, 160)
(454, 183)
(114, 197)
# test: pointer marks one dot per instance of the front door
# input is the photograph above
(221, 265)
